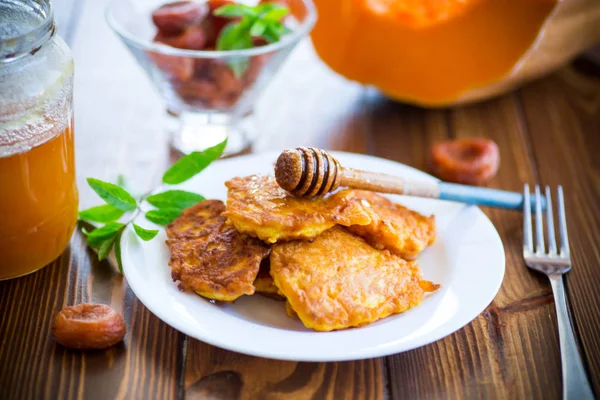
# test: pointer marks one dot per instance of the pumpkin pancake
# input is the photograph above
(263, 284)
(404, 232)
(256, 205)
(210, 256)
(339, 281)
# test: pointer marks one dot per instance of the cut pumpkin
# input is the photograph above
(444, 52)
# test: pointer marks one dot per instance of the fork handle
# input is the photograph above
(575, 383)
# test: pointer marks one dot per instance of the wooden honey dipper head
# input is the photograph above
(307, 172)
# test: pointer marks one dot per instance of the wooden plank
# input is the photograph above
(111, 93)
(220, 374)
(563, 115)
(499, 354)
(319, 109)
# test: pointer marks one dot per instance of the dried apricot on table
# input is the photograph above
(88, 326)
(468, 161)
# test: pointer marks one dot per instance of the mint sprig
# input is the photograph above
(119, 202)
(261, 21)
(253, 22)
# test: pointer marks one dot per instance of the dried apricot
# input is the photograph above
(175, 67)
(192, 38)
(196, 92)
(88, 326)
(468, 161)
(173, 18)
(255, 67)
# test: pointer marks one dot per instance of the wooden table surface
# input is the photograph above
(548, 132)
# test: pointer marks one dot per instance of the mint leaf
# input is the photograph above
(96, 237)
(265, 8)
(236, 35)
(271, 34)
(192, 164)
(118, 251)
(234, 11)
(106, 247)
(258, 28)
(276, 14)
(145, 234)
(163, 216)
(174, 199)
(113, 194)
(104, 213)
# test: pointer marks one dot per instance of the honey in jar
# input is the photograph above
(38, 193)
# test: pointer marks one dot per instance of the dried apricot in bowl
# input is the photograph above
(173, 18)
(88, 326)
(468, 161)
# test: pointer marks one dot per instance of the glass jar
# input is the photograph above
(38, 193)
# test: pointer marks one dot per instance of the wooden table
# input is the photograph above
(548, 132)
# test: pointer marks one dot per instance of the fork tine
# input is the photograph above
(562, 224)
(540, 247)
(550, 223)
(527, 234)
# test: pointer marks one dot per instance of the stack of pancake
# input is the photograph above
(341, 261)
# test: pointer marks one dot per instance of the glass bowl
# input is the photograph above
(209, 95)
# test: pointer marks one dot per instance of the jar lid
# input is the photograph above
(25, 25)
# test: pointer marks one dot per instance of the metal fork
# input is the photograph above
(554, 264)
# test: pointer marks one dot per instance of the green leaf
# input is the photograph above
(96, 237)
(145, 234)
(192, 164)
(234, 11)
(236, 36)
(103, 213)
(121, 181)
(174, 199)
(163, 216)
(276, 14)
(118, 252)
(113, 194)
(265, 8)
(227, 36)
(106, 247)
(258, 28)
(271, 34)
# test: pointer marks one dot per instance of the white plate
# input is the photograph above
(467, 259)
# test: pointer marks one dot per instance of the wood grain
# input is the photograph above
(221, 374)
(475, 362)
(149, 364)
(563, 115)
(547, 132)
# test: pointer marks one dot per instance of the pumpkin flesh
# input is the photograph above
(427, 52)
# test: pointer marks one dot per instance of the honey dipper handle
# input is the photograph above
(384, 183)
(440, 190)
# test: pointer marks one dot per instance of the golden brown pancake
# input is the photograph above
(256, 205)
(289, 310)
(263, 284)
(210, 256)
(404, 232)
(339, 281)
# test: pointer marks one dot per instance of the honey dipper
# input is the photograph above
(310, 172)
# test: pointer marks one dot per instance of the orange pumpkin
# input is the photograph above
(443, 52)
